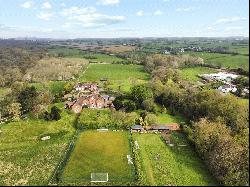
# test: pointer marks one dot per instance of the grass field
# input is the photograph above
(118, 75)
(100, 152)
(54, 87)
(224, 60)
(170, 166)
(190, 74)
(168, 118)
(24, 158)
(91, 56)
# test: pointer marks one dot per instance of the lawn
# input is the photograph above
(224, 60)
(100, 152)
(24, 158)
(170, 166)
(168, 118)
(120, 77)
(191, 74)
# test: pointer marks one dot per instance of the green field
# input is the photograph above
(54, 87)
(168, 118)
(170, 166)
(91, 56)
(24, 158)
(118, 75)
(100, 152)
(224, 60)
(191, 74)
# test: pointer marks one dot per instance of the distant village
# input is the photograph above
(222, 50)
(87, 95)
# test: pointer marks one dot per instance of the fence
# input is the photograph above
(55, 177)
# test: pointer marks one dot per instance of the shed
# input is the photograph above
(137, 128)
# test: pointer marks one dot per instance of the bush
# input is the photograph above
(149, 105)
(53, 115)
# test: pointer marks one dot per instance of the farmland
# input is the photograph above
(119, 76)
(56, 69)
(100, 152)
(191, 74)
(163, 165)
(54, 87)
(93, 57)
(24, 158)
(224, 60)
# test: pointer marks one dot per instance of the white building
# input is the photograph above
(221, 76)
(227, 88)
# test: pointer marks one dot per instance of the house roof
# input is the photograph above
(159, 127)
(137, 127)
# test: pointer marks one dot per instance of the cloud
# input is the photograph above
(187, 9)
(28, 4)
(6, 28)
(234, 28)
(158, 13)
(140, 13)
(46, 5)
(45, 16)
(108, 2)
(63, 5)
(89, 17)
(229, 20)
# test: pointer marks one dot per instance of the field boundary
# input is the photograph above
(56, 176)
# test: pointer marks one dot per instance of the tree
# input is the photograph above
(151, 119)
(149, 105)
(55, 113)
(129, 105)
(14, 110)
(139, 93)
(68, 87)
(38, 111)
(28, 98)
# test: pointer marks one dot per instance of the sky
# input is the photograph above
(66, 19)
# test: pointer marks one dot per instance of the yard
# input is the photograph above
(27, 160)
(170, 166)
(100, 152)
(120, 77)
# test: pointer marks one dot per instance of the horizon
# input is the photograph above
(65, 19)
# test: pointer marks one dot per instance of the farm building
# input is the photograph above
(94, 101)
(157, 128)
(228, 88)
(86, 95)
(221, 76)
(137, 128)
(77, 108)
(92, 87)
